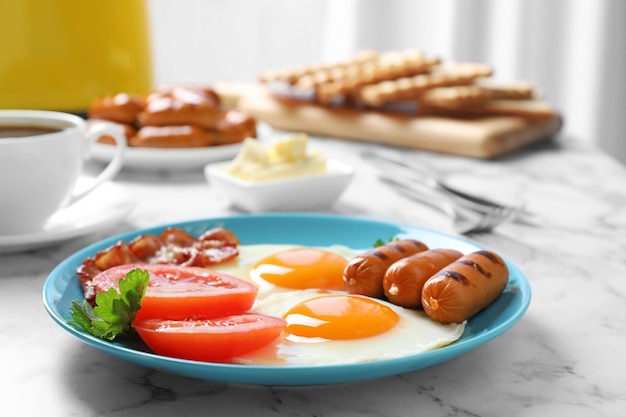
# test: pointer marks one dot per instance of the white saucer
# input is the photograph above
(105, 206)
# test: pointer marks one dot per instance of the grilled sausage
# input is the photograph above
(404, 280)
(465, 287)
(364, 273)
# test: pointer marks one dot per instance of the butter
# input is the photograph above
(287, 157)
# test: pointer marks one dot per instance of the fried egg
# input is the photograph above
(282, 267)
(325, 324)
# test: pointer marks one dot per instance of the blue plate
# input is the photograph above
(62, 287)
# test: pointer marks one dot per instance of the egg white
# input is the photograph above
(414, 333)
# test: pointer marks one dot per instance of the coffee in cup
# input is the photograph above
(41, 159)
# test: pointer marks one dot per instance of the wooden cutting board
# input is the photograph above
(484, 137)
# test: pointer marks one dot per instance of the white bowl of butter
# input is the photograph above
(282, 176)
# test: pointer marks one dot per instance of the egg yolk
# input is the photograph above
(302, 268)
(339, 317)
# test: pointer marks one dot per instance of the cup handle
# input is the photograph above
(114, 166)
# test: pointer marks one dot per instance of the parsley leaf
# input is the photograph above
(380, 242)
(114, 311)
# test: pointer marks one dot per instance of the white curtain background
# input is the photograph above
(573, 50)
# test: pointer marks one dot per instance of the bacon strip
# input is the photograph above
(174, 247)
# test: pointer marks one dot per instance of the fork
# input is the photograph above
(465, 221)
(470, 201)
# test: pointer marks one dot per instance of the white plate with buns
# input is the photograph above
(176, 127)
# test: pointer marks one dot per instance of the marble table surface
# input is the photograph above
(564, 357)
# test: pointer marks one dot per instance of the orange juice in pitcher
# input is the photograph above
(62, 54)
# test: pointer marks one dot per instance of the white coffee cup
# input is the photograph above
(41, 160)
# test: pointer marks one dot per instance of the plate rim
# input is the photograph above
(292, 375)
(165, 158)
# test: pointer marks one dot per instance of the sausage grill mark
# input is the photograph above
(382, 256)
(378, 254)
(454, 275)
(489, 256)
(398, 248)
(477, 267)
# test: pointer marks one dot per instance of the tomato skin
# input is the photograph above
(216, 340)
(178, 293)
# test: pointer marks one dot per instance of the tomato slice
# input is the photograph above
(216, 340)
(178, 293)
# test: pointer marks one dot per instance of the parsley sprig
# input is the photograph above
(114, 311)
(379, 242)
